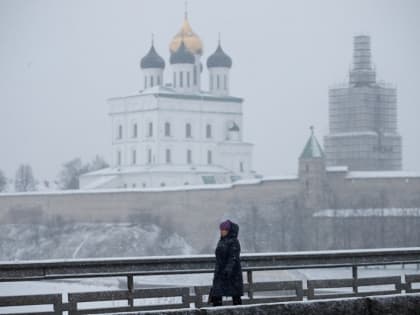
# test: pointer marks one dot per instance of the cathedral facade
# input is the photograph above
(172, 133)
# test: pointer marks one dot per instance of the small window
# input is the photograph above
(225, 82)
(209, 157)
(145, 82)
(152, 83)
(181, 79)
(158, 80)
(149, 156)
(120, 132)
(241, 167)
(174, 80)
(150, 130)
(134, 157)
(218, 82)
(167, 129)
(306, 168)
(119, 158)
(189, 156)
(188, 131)
(208, 131)
(135, 130)
(211, 81)
(168, 156)
(188, 79)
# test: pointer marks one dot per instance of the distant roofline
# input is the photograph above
(203, 96)
(381, 174)
(243, 182)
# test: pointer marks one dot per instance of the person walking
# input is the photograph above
(227, 280)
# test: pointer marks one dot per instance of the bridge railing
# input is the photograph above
(136, 299)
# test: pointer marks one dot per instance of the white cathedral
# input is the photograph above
(174, 133)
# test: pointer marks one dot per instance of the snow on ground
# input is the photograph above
(87, 240)
(377, 212)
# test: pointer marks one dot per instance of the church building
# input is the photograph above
(174, 133)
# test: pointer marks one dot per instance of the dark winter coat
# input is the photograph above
(227, 279)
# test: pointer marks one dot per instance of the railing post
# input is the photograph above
(250, 284)
(130, 287)
(354, 276)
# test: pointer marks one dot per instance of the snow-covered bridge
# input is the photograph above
(270, 278)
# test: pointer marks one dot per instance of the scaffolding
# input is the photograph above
(363, 131)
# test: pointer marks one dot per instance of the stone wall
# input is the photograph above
(272, 213)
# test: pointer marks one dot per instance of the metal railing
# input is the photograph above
(184, 297)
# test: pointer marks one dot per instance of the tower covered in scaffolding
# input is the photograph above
(363, 132)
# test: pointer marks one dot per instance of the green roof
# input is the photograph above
(312, 148)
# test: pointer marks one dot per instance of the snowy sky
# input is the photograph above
(60, 61)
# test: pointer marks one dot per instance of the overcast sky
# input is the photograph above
(61, 60)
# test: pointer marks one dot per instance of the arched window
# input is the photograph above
(119, 158)
(120, 132)
(195, 75)
(188, 79)
(135, 130)
(150, 130)
(218, 82)
(209, 157)
(174, 80)
(168, 156)
(181, 79)
(208, 131)
(189, 156)
(152, 82)
(134, 157)
(167, 129)
(188, 131)
(149, 156)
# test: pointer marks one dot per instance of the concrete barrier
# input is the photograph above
(395, 305)
(328, 307)
(384, 305)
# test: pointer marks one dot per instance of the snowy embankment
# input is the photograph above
(87, 240)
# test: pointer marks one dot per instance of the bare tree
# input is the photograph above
(3, 181)
(69, 175)
(24, 179)
(97, 163)
(73, 169)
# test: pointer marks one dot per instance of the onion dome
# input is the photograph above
(182, 55)
(152, 60)
(190, 39)
(219, 59)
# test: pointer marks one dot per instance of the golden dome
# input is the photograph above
(191, 40)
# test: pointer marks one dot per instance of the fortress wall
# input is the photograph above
(192, 213)
(374, 192)
(270, 212)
